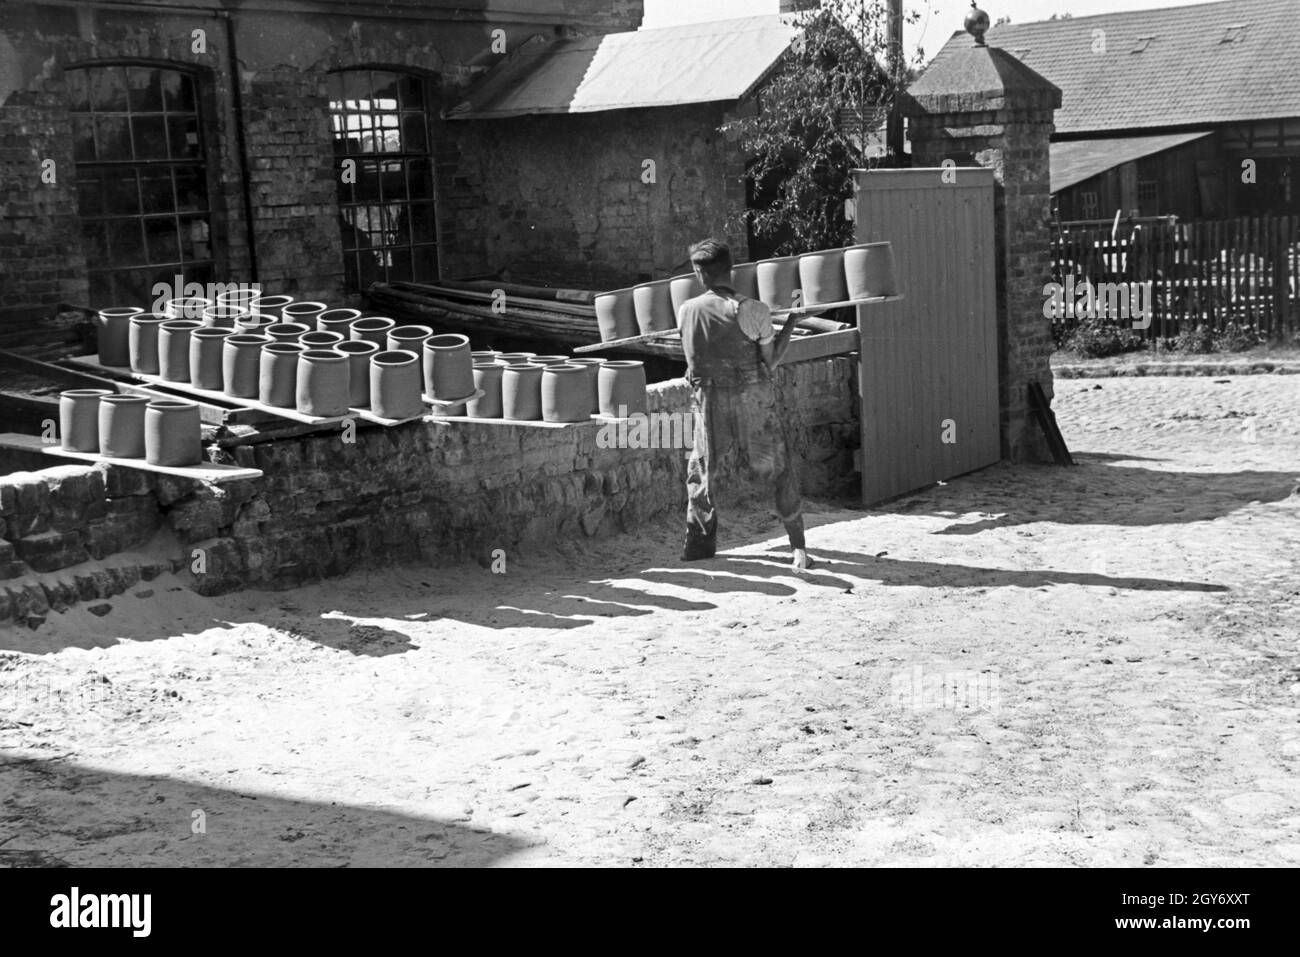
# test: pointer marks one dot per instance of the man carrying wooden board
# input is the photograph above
(732, 352)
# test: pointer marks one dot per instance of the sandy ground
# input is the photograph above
(1031, 665)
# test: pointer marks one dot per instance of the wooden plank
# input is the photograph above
(530, 423)
(206, 472)
(820, 346)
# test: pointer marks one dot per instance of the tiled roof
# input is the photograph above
(1179, 66)
(1073, 161)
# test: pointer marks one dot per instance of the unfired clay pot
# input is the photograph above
(869, 271)
(622, 388)
(615, 314)
(566, 394)
(339, 320)
(190, 307)
(592, 365)
(241, 356)
(681, 288)
(207, 345)
(549, 360)
(821, 276)
(510, 358)
(271, 306)
(113, 331)
(174, 349)
(487, 378)
(409, 338)
(448, 367)
(143, 342)
(286, 331)
(744, 280)
(79, 419)
(239, 297)
(521, 392)
(324, 384)
(305, 313)
(254, 322)
(320, 339)
(484, 355)
(777, 281)
(173, 433)
(278, 374)
(395, 383)
(372, 329)
(223, 317)
(653, 302)
(121, 426)
(358, 352)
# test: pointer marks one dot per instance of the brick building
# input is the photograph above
(312, 146)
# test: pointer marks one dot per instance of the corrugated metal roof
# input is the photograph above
(670, 66)
(1076, 160)
(1176, 66)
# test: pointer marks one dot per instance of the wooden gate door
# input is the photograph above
(929, 377)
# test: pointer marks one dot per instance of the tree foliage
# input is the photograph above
(820, 116)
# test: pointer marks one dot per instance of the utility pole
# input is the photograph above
(894, 126)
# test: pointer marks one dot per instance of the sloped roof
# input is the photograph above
(1177, 66)
(1073, 161)
(668, 66)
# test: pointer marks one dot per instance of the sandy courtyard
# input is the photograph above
(1029, 665)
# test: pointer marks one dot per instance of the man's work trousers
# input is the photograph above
(741, 422)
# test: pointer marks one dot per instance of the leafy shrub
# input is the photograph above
(1235, 337)
(1198, 340)
(1101, 338)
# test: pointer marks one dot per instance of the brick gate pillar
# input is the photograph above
(978, 105)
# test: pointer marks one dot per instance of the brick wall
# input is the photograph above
(419, 493)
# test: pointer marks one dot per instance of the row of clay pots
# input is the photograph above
(161, 431)
(528, 387)
(864, 271)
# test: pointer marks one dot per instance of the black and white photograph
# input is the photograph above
(651, 434)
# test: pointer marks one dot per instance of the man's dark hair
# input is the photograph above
(713, 257)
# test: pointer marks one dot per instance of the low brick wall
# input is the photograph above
(434, 493)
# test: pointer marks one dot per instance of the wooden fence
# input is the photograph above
(1207, 273)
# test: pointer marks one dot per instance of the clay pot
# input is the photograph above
(395, 381)
(223, 317)
(207, 345)
(777, 281)
(566, 394)
(487, 378)
(271, 306)
(79, 419)
(448, 367)
(653, 303)
(622, 388)
(121, 426)
(323, 383)
(239, 297)
(143, 342)
(681, 288)
(549, 360)
(305, 313)
(372, 329)
(174, 349)
(113, 330)
(408, 338)
(521, 392)
(511, 358)
(339, 320)
(744, 280)
(173, 434)
(592, 366)
(358, 353)
(616, 314)
(254, 322)
(321, 340)
(190, 307)
(869, 271)
(286, 331)
(484, 355)
(241, 357)
(821, 276)
(277, 374)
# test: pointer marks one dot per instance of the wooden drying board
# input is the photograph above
(206, 471)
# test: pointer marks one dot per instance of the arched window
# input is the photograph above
(387, 215)
(142, 181)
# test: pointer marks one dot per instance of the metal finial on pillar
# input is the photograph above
(977, 23)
